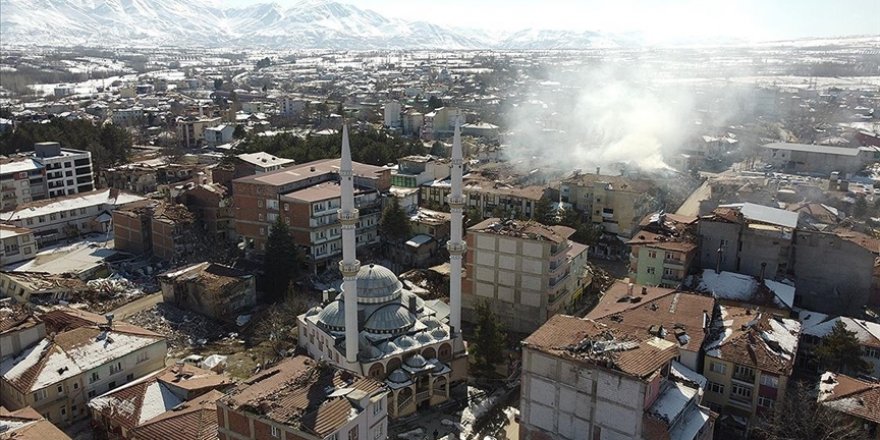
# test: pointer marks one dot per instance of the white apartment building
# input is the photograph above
(68, 171)
(288, 106)
(21, 180)
(392, 114)
(16, 244)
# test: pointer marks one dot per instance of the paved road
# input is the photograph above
(691, 206)
(137, 305)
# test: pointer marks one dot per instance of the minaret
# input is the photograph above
(349, 265)
(456, 245)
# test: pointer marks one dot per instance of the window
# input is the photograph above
(770, 381)
(63, 412)
(262, 230)
(82, 211)
(60, 389)
(286, 207)
(275, 432)
(353, 434)
(716, 388)
(333, 436)
(260, 217)
(29, 221)
(92, 394)
(652, 254)
(272, 204)
(741, 391)
(651, 270)
(41, 219)
(272, 217)
(765, 402)
(378, 434)
(377, 407)
(668, 272)
(717, 367)
(743, 372)
(111, 385)
(95, 377)
(39, 395)
(259, 203)
(115, 368)
(76, 385)
(872, 352)
(142, 357)
(129, 378)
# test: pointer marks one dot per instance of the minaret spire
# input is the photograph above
(349, 265)
(456, 244)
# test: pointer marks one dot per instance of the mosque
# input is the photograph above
(377, 327)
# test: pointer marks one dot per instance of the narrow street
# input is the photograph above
(137, 305)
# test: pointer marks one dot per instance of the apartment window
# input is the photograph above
(652, 254)
(770, 381)
(333, 436)
(53, 216)
(275, 432)
(872, 352)
(765, 402)
(716, 388)
(82, 211)
(39, 395)
(262, 230)
(260, 203)
(272, 204)
(142, 357)
(717, 367)
(272, 217)
(63, 412)
(29, 221)
(129, 377)
(651, 271)
(76, 385)
(741, 391)
(378, 434)
(115, 368)
(41, 219)
(111, 385)
(668, 272)
(742, 371)
(260, 217)
(60, 389)
(377, 407)
(95, 377)
(286, 207)
(353, 434)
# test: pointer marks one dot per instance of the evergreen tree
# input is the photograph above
(394, 225)
(799, 417)
(489, 339)
(434, 102)
(281, 261)
(437, 149)
(840, 351)
(239, 132)
(543, 211)
(218, 83)
(860, 208)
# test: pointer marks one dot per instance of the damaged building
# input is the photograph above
(214, 290)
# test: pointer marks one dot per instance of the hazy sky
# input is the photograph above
(656, 19)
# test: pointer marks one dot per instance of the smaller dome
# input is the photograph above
(416, 361)
(390, 318)
(405, 342)
(369, 352)
(431, 322)
(439, 333)
(424, 338)
(389, 347)
(398, 376)
(333, 316)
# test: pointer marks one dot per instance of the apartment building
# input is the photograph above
(526, 271)
(616, 203)
(20, 328)
(68, 216)
(414, 171)
(248, 164)
(299, 399)
(824, 159)
(857, 399)
(214, 290)
(486, 197)
(307, 197)
(191, 130)
(586, 380)
(22, 179)
(87, 356)
(684, 316)
(749, 239)
(868, 334)
(288, 106)
(16, 244)
(172, 232)
(440, 122)
(663, 250)
(27, 424)
(750, 355)
(67, 171)
(40, 287)
(391, 114)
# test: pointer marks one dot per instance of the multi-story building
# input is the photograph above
(867, 333)
(22, 179)
(586, 380)
(299, 399)
(27, 424)
(413, 121)
(191, 130)
(440, 122)
(391, 113)
(172, 234)
(68, 216)
(40, 287)
(749, 239)
(212, 207)
(67, 171)
(218, 135)
(156, 397)
(750, 354)
(16, 244)
(20, 328)
(616, 203)
(214, 290)
(87, 356)
(824, 159)
(486, 197)
(857, 399)
(260, 199)
(682, 315)
(128, 116)
(414, 171)
(249, 164)
(526, 271)
(662, 251)
(288, 106)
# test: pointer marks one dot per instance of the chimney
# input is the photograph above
(109, 317)
(412, 304)
(718, 260)
(629, 288)
(326, 298)
(644, 290)
(706, 320)
(763, 271)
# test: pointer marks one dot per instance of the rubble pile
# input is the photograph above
(183, 329)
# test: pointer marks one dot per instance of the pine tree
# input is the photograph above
(281, 261)
(860, 208)
(394, 224)
(799, 417)
(543, 211)
(840, 351)
(489, 339)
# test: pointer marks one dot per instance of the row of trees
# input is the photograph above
(109, 144)
(371, 147)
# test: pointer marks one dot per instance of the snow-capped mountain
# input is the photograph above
(308, 24)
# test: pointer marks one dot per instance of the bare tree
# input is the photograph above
(799, 417)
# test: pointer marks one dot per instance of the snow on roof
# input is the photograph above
(14, 367)
(809, 319)
(782, 337)
(157, 399)
(20, 166)
(419, 240)
(673, 400)
(766, 214)
(809, 148)
(713, 345)
(69, 203)
(263, 159)
(739, 287)
(682, 372)
(690, 424)
(866, 332)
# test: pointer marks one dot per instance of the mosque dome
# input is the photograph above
(439, 333)
(424, 338)
(332, 317)
(390, 318)
(398, 376)
(416, 361)
(405, 342)
(389, 347)
(377, 284)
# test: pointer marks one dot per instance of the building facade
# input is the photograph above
(616, 203)
(663, 250)
(211, 289)
(67, 171)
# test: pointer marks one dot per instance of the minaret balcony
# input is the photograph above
(456, 201)
(349, 267)
(348, 216)
(456, 247)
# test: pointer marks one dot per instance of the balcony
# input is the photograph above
(673, 263)
(741, 400)
(745, 377)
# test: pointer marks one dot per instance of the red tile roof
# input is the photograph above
(196, 420)
(851, 396)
